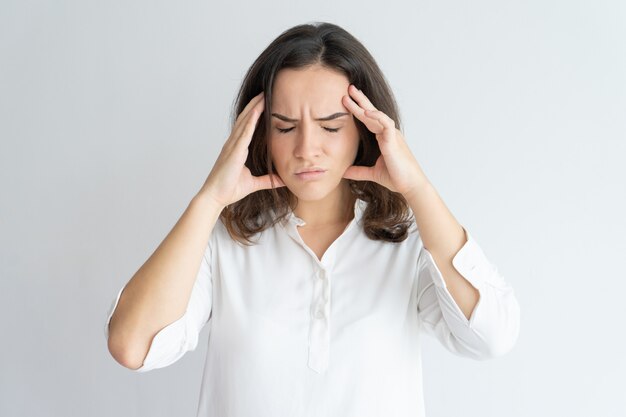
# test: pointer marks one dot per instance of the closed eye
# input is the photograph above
(325, 128)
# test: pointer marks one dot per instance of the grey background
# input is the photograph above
(112, 114)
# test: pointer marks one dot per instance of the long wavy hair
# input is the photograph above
(387, 216)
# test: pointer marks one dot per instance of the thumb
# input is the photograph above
(359, 173)
(265, 183)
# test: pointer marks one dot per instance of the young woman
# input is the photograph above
(332, 253)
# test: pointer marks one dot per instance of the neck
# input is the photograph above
(336, 208)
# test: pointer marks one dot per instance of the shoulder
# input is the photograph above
(221, 236)
(413, 235)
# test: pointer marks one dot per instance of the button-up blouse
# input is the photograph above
(292, 335)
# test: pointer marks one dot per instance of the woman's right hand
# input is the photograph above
(230, 180)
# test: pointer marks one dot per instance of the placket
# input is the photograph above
(320, 307)
(319, 327)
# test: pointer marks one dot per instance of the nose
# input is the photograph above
(307, 142)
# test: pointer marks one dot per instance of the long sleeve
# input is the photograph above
(493, 327)
(180, 336)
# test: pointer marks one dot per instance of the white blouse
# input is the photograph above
(291, 335)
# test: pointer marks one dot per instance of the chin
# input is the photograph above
(312, 192)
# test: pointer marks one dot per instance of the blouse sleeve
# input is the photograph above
(180, 336)
(493, 327)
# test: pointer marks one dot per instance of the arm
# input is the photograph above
(442, 236)
(493, 327)
(159, 292)
(461, 296)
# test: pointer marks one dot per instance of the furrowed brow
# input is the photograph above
(321, 119)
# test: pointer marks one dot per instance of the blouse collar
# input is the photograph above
(291, 218)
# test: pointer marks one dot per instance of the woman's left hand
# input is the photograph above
(396, 167)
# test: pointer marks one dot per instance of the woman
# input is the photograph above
(332, 253)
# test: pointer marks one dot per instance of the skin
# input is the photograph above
(398, 170)
(306, 95)
(324, 203)
(159, 292)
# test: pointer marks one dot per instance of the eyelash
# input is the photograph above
(326, 128)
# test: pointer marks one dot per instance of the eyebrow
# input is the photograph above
(321, 119)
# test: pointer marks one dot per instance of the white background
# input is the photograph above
(112, 114)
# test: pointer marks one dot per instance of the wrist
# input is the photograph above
(419, 188)
(205, 198)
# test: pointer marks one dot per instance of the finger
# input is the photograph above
(242, 133)
(250, 105)
(359, 173)
(242, 119)
(368, 108)
(381, 117)
(372, 124)
(255, 113)
(359, 97)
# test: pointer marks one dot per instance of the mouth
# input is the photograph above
(311, 173)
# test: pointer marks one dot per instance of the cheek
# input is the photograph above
(277, 154)
(350, 148)
(272, 149)
(351, 141)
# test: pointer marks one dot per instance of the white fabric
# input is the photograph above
(290, 335)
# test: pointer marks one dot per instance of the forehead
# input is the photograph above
(313, 85)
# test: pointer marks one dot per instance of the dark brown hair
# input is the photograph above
(387, 216)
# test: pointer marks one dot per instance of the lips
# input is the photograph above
(310, 173)
(307, 170)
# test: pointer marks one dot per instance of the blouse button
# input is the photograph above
(319, 313)
(321, 274)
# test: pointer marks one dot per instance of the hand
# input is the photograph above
(396, 167)
(230, 180)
